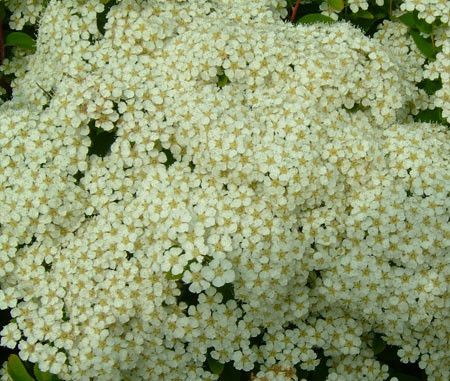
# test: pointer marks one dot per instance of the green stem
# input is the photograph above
(432, 36)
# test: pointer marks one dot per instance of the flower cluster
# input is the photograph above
(297, 206)
(440, 68)
(25, 11)
(429, 10)
(354, 5)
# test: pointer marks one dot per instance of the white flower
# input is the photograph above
(174, 261)
(194, 276)
(10, 335)
(218, 272)
(8, 298)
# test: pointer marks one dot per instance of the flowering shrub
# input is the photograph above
(200, 182)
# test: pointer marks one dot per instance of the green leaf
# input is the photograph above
(215, 366)
(355, 108)
(17, 370)
(313, 18)
(421, 24)
(37, 373)
(20, 40)
(378, 345)
(43, 376)
(423, 44)
(171, 276)
(408, 19)
(336, 4)
(362, 14)
(179, 276)
(380, 15)
(223, 80)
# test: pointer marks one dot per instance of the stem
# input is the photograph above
(45, 91)
(2, 45)
(3, 82)
(390, 9)
(294, 11)
(432, 36)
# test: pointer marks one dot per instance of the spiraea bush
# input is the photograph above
(189, 184)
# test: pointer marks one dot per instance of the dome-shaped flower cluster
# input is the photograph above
(293, 207)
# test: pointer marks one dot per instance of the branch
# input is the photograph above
(294, 11)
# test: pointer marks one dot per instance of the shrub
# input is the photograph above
(190, 184)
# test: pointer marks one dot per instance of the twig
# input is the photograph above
(2, 45)
(432, 36)
(294, 10)
(45, 91)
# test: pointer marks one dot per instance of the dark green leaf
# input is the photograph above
(101, 141)
(301, 373)
(404, 377)
(20, 40)
(408, 19)
(215, 366)
(101, 21)
(430, 116)
(3, 11)
(321, 371)
(380, 15)
(378, 345)
(227, 291)
(17, 370)
(102, 17)
(364, 24)
(430, 86)
(315, 18)
(423, 44)
(389, 355)
(230, 373)
(336, 4)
